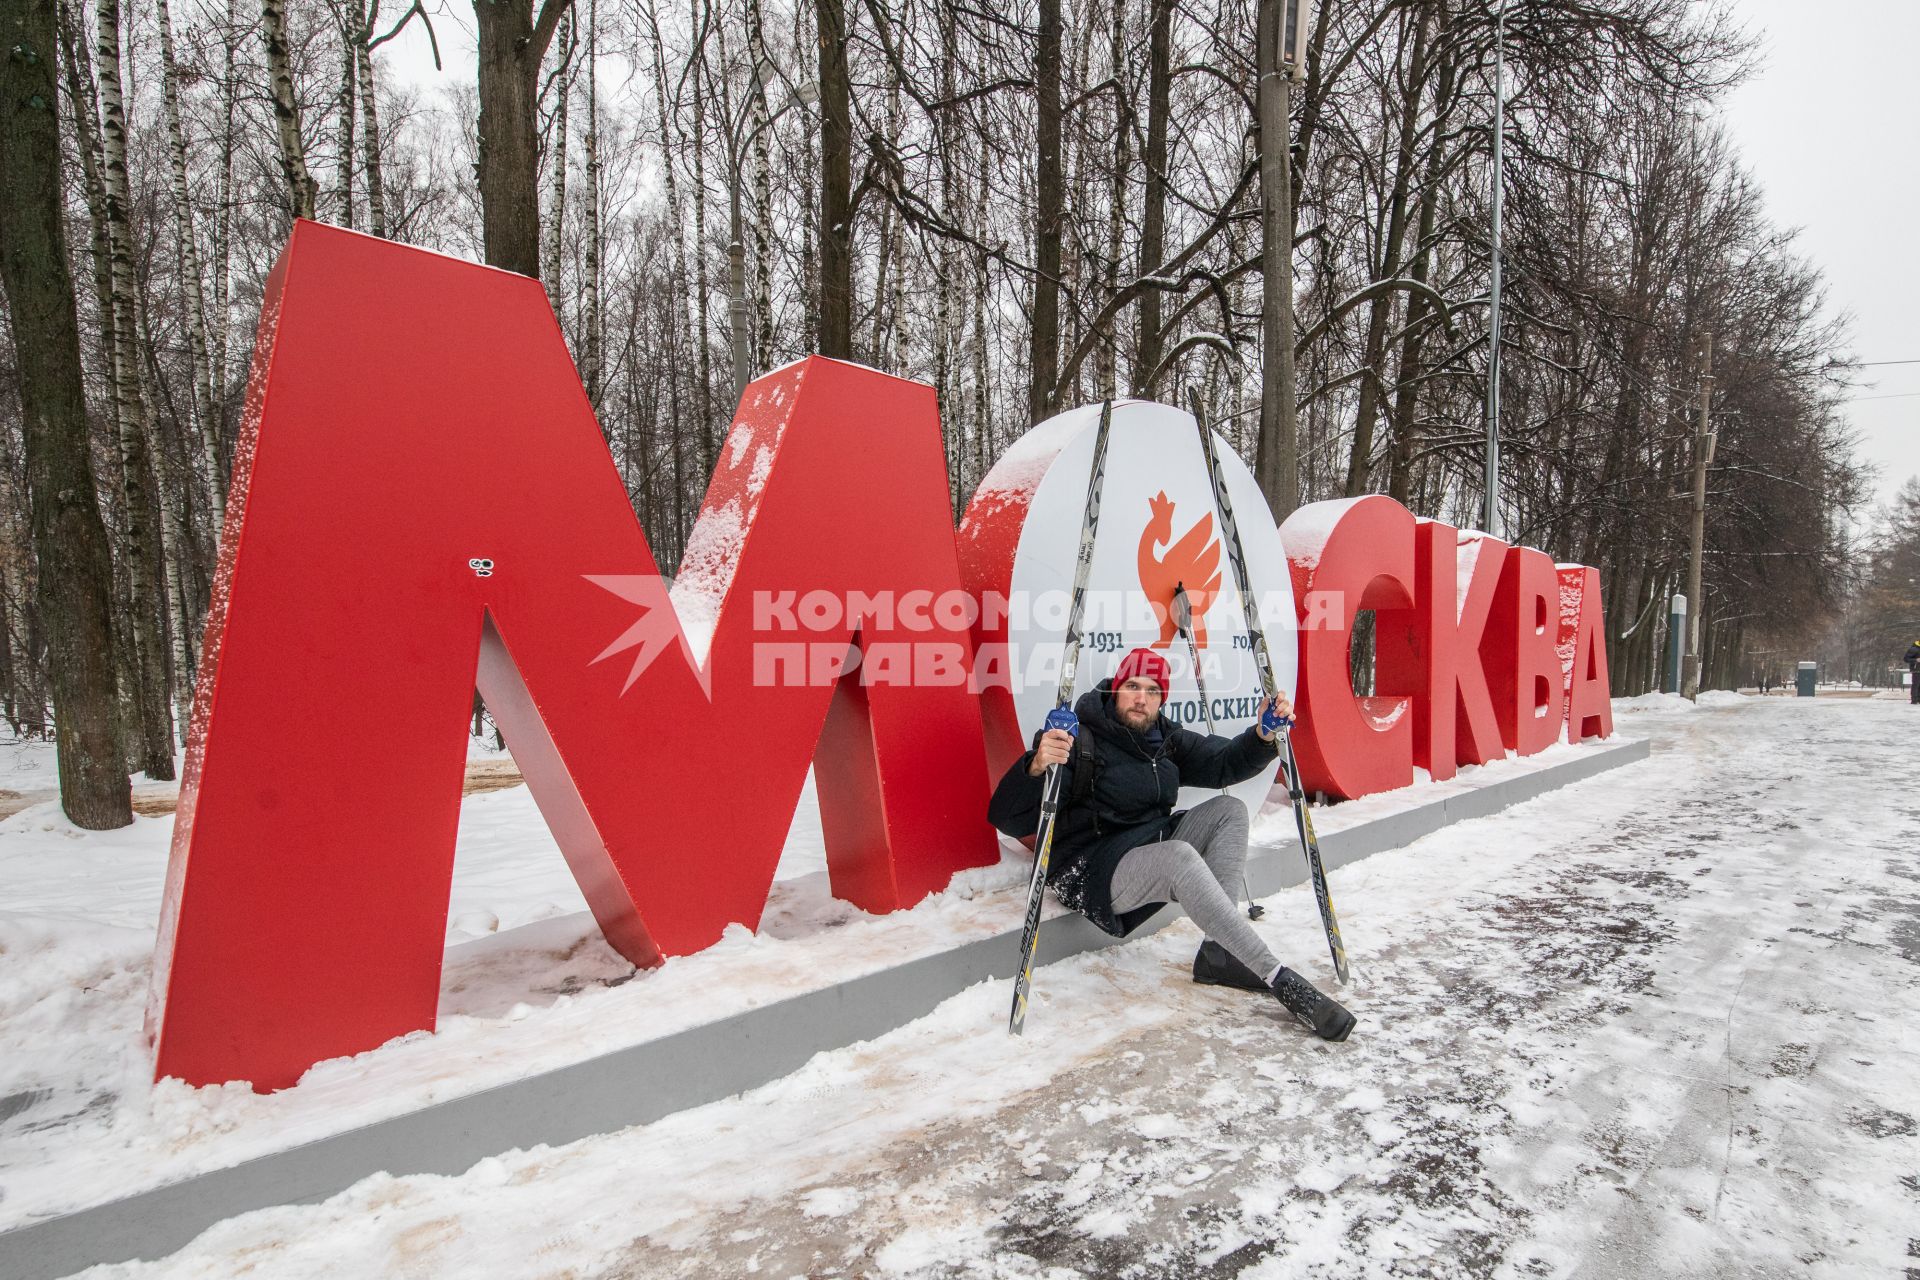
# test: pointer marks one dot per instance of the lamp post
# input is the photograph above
(1490, 516)
(1280, 58)
(1703, 444)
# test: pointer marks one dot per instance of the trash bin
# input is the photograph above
(1804, 677)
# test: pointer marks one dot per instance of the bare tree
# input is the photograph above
(1049, 194)
(590, 143)
(512, 43)
(286, 109)
(836, 183)
(205, 394)
(74, 582)
(902, 216)
(147, 665)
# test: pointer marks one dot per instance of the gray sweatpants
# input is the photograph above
(1204, 869)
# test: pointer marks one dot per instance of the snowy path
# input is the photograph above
(1661, 1023)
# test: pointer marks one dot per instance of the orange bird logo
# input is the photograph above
(1193, 562)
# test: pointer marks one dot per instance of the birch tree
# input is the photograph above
(206, 394)
(74, 580)
(152, 744)
(301, 194)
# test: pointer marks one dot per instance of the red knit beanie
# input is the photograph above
(1146, 665)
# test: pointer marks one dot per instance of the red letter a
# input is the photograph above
(1583, 640)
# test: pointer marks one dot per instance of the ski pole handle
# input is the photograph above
(1062, 718)
(1271, 720)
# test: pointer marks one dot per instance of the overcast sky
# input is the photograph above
(1829, 128)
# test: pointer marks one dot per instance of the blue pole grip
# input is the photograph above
(1063, 718)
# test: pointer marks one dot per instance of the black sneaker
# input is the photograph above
(1322, 1014)
(1216, 966)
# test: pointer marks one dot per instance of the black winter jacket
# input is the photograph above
(1912, 655)
(1118, 793)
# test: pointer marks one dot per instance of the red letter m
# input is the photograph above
(423, 500)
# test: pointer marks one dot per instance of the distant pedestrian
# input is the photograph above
(1912, 659)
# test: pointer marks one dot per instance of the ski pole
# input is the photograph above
(1263, 662)
(1310, 843)
(1061, 717)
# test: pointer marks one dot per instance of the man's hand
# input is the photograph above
(1053, 749)
(1275, 714)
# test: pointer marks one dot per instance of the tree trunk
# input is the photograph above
(596, 337)
(154, 745)
(983, 441)
(675, 218)
(806, 71)
(511, 44)
(370, 123)
(349, 76)
(889, 284)
(1043, 353)
(1277, 456)
(1406, 418)
(286, 107)
(1153, 222)
(836, 184)
(762, 192)
(172, 555)
(93, 185)
(1106, 366)
(944, 339)
(204, 396)
(34, 718)
(10, 682)
(186, 660)
(702, 283)
(74, 579)
(557, 182)
(166, 453)
(1373, 381)
(876, 347)
(222, 232)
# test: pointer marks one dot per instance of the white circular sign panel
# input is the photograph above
(1157, 526)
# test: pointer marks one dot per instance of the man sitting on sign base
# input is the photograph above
(1120, 852)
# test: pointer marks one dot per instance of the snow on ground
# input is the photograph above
(27, 765)
(528, 985)
(1659, 1023)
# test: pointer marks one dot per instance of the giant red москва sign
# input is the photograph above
(423, 502)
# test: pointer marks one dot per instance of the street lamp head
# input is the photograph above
(770, 76)
(1296, 22)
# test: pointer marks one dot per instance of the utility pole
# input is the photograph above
(1490, 512)
(1703, 443)
(1281, 36)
